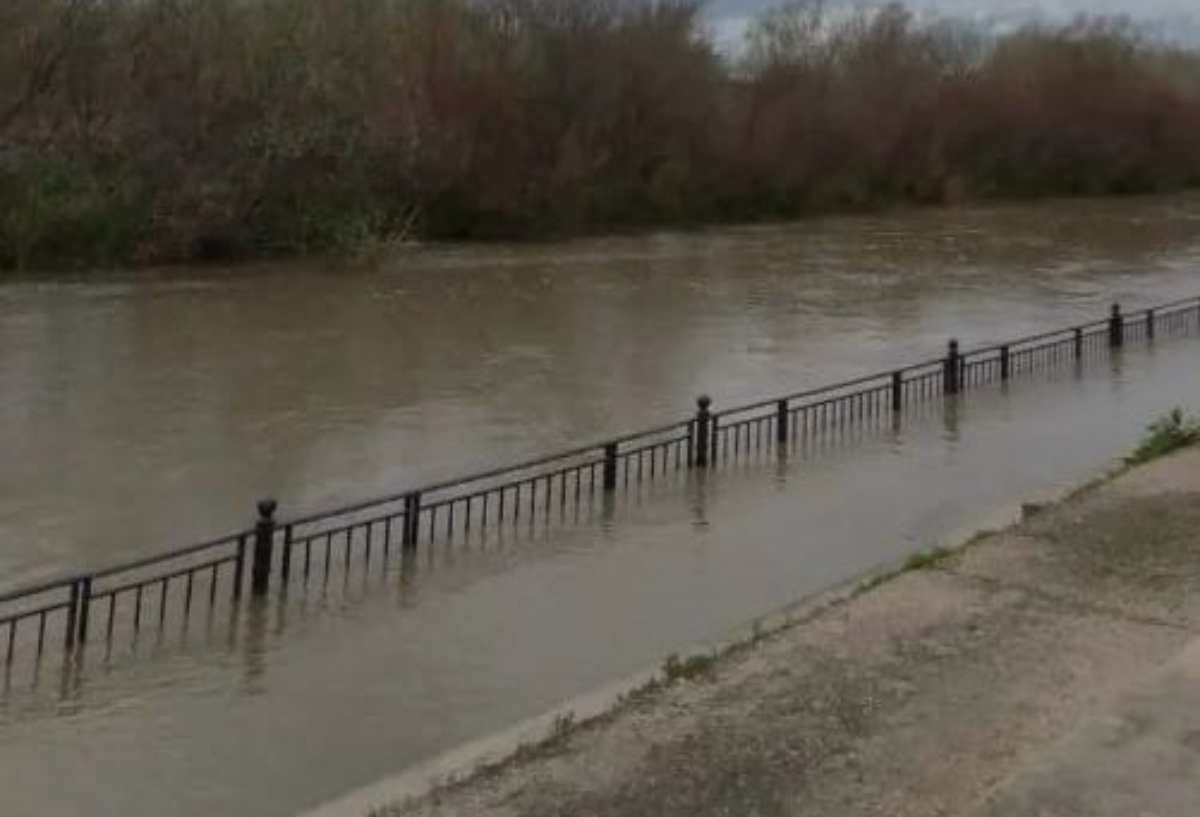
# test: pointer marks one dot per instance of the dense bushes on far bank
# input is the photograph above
(168, 130)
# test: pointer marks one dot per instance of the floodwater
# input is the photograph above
(144, 410)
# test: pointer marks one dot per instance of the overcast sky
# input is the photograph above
(1178, 19)
(1005, 8)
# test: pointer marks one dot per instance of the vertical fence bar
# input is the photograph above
(781, 422)
(137, 605)
(951, 368)
(897, 392)
(610, 467)
(1004, 363)
(239, 564)
(412, 514)
(72, 612)
(1116, 328)
(85, 606)
(162, 601)
(1078, 344)
(264, 544)
(1149, 324)
(285, 563)
(703, 429)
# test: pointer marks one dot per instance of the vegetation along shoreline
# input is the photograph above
(170, 131)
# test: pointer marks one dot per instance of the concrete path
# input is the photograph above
(994, 683)
(1141, 759)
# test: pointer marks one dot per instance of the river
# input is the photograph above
(141, 410)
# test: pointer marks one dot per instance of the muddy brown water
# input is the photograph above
(142, 410)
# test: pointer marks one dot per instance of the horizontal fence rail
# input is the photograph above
(559, 488)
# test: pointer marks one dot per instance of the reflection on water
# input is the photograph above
(142, 410)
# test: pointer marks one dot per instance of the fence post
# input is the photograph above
(1149, 324)
(1004, 363)
(950, 369)
(897, 392)
(702, 428)
(72, 612)
(1116, 328)
(782, 420)
(85, 605)
(264, 544)
(1078, 343)
(412, 518)
(610, 467)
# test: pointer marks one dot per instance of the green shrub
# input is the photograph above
(1166, 434)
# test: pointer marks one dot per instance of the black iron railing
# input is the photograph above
(70, 611)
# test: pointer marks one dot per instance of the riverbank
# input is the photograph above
(164, 132)
(951, 687)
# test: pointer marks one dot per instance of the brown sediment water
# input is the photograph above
(143, 410)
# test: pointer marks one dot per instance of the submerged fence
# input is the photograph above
(69, 612)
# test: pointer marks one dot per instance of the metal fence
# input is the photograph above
(69, 612)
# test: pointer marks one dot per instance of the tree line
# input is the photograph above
(150, 131)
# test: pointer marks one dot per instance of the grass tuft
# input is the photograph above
(926, 559)
(693, 666)
(1166, 434)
